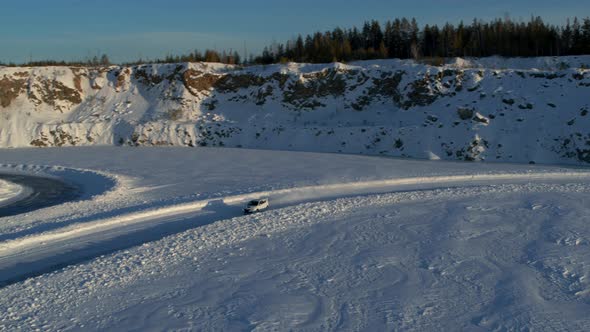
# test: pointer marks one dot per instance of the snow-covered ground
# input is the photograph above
(350, 243)
(11, 192)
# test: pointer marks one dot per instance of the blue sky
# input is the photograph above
(128, 29)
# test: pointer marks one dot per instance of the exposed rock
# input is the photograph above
(197, 82)
(406, 109)
(420, 94)
(233, 83)
(304, 92)
(52, 92)
(10, 89)
(465, 113)
(508, 101)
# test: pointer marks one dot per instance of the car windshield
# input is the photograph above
(252, 203)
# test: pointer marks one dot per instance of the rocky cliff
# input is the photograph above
(520, 110)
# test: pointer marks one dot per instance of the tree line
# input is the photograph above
(95, 61)
(403, 39)
(400, 38)
(230, 58)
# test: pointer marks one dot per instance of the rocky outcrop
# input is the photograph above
(392, 107)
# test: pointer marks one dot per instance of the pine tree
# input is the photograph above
(376, 35)
(585, 37)
(427, 42)
(346, 51)
(212, 56)
(299, 49)
(104, 60)
(576, 37)
(382, 51)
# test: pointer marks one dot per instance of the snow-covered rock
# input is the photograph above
(494, 109)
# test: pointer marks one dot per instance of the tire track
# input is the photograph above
(45, 252)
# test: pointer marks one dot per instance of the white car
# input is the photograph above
(256, 205)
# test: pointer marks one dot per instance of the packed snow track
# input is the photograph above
(27, 256)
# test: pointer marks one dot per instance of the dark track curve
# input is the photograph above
(45, 192)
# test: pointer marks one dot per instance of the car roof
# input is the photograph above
(259, 200)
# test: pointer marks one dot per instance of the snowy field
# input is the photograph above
(350, 243)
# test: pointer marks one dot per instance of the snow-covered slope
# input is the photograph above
(519, 110)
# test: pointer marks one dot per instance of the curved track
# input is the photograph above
(40, 253)
(43, 192)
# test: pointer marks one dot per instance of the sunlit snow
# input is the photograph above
(349, 243)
